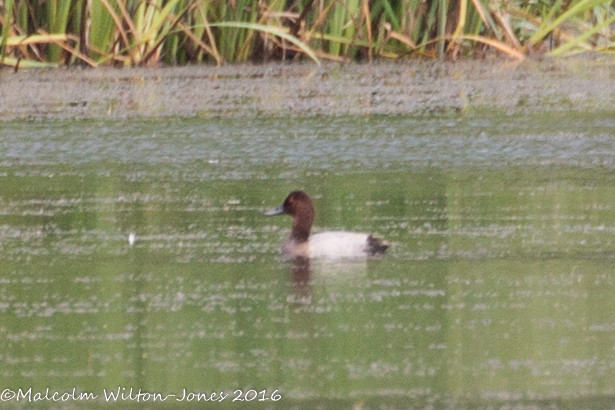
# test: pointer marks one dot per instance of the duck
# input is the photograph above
(324, 245)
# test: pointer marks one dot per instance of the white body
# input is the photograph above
(329, 245)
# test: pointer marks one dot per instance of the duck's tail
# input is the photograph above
(376, 246)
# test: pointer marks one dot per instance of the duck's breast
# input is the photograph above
(338, 245)
(291, 249)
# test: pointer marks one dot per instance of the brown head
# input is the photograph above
(299, 205)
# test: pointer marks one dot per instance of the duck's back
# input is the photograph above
(339, 245)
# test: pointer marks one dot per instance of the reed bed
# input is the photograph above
(138, 32)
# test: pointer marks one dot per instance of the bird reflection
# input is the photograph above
(301, 277)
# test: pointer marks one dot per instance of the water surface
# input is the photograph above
(496, 291)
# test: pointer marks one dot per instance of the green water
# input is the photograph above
(497, 290)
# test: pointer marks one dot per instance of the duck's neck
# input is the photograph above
(302, 226)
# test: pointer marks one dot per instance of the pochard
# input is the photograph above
(325, 245)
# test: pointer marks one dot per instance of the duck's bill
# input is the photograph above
(276, 211)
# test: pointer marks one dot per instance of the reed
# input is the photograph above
(140, 32)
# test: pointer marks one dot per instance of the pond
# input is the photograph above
(497, 289)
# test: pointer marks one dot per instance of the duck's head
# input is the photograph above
(299, 205)
(296, 203)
